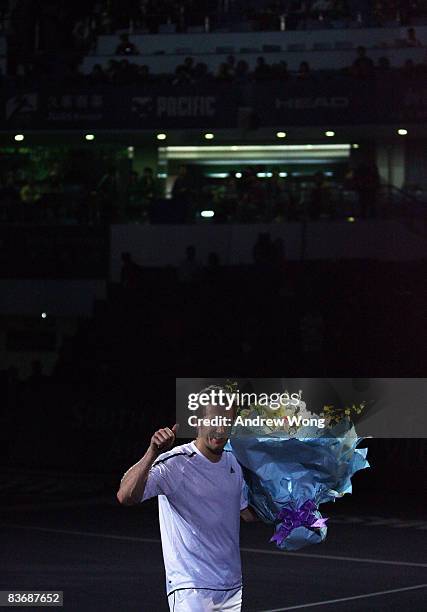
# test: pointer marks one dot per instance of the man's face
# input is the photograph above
(215, 436)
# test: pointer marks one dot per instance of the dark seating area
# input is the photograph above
(315, 319)
(310, 317)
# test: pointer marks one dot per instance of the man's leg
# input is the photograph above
(204, 600)
(191, 600)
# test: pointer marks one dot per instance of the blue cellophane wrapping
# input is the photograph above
(285, 471)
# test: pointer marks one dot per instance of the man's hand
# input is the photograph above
(249, 515)
(164, 439)
(133, 483)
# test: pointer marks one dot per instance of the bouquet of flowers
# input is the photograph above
(292, 465)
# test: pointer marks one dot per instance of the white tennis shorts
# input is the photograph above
(204, 600)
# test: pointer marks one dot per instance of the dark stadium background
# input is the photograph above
(211, 188)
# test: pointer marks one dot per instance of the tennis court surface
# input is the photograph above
(72, 535)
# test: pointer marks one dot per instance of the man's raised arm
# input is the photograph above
(133, 483)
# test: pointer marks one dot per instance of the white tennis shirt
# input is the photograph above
(199, 512)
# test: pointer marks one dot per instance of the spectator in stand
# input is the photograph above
(30, 197)
(363, 66)
(224, 72)
(143, 74)
(408, 69)
(242, 71)
(231, 63)
(142, 15)
(97, 75)
(188, 66)
(280, 71)
(212, 272)
(9, 185)
(275, 193)
(82, 37)
(9, 198)
(263, 252)
(106, 192)
(182, 186)
(201, 73)
(319, 198)
(111, 70)
(383, 64)
(385, 11)
(149, 188)
(125, 73)
(182, 77)
(130, 275)
(320, 7)
(267, 19)
(183, 192)
(125, 47)
(253, 197)
(228, 199)
(367, 183)
(134, 206)
(54, 180)
(189, 270)
(30, 193)
(411, 39)
(304, 71)
(262, 70)
(101, 20)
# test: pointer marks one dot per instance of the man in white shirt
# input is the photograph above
(201, 499)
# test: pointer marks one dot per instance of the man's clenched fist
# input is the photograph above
(163, 439)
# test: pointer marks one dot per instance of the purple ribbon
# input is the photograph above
(301, 517)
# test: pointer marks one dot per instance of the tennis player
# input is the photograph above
(201, 499)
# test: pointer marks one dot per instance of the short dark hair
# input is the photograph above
(202, 409)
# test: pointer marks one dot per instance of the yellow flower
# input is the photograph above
(273, 412)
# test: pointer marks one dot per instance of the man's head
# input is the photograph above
(219, 416)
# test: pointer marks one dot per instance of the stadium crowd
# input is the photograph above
(72, 29)
(61, 195)
(151, 16)
(125, 72)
